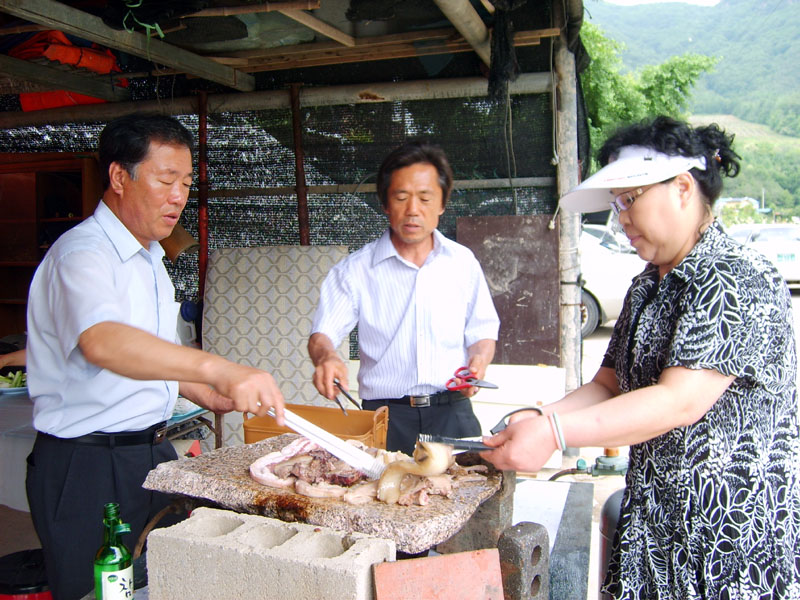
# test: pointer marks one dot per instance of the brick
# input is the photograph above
(223, 555)
(461, 576)
(525, 561)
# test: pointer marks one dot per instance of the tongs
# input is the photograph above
(353, 456)
(456, 443)
(348, 396)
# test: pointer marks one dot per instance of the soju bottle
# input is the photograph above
(113, 567)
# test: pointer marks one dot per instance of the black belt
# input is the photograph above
(425, 400)
(152, 435)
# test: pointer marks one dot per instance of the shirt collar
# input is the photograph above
(385, 248)
(686, 269)
(121, 238)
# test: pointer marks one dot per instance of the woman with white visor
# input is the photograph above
(699, 379)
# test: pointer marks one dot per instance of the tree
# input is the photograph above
(614, 98)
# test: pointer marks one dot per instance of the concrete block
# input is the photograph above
(487, 523)
(525, 562)
(220, 555)
(462, 576)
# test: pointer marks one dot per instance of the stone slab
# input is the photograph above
(222, 477)
(569, 559)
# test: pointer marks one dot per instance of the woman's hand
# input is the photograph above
(524, 445)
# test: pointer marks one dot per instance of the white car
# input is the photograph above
(780, 243)
(608, 264)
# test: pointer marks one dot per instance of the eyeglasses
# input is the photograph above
(625, 200)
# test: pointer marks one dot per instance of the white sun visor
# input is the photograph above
(634, 166)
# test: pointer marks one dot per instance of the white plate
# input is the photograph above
(16, 390)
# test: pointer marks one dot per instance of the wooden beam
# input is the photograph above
(227, 11)
(370, 188)
(440, 41)
(55, 78)
(374, 42)
(322, 27)
(21, 29)
(469, 24)
(69, 20)
(526, 83)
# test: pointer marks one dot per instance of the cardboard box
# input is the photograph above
(368, 427)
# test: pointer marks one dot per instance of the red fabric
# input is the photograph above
(56, 47)
(54, 99)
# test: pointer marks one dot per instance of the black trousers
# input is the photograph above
(67, 485)
(406, 422)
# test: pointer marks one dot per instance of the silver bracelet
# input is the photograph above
(557, 432)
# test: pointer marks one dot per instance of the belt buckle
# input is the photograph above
(159, 435)
(420, 401)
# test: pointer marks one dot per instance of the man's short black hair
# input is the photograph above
(412, 153)
(126, 140)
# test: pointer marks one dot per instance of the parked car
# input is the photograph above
(608, 263)
(780, 243)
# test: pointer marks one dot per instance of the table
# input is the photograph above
(17, 436)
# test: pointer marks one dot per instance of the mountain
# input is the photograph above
(757, 43)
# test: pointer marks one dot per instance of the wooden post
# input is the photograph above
(569, 222)
(299, 169)
(202, 191)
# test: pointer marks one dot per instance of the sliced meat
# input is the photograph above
(362, 493)
(262, 470)
(319, 490)
(286, 468)
(309, 470)
(323, 466)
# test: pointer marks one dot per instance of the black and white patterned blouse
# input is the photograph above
(712, 510)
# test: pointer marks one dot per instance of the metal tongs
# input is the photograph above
(353, 456)
(348, 396)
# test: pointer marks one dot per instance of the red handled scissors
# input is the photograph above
(467, 379)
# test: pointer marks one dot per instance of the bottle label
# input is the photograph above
(116, 585)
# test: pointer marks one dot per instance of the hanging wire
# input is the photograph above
(508, 138)
(554, 107)
(148, 27)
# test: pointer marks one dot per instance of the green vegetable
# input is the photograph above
(14, 380)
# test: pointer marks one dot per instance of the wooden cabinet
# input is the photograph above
(41, 196)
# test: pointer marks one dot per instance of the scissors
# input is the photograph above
(348, 396)
(467, 380)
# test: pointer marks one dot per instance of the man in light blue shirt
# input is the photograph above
(104, 370)
(422, 307)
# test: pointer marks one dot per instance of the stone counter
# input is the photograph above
(222, 477)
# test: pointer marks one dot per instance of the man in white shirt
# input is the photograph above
(422, 307)
(104, 370)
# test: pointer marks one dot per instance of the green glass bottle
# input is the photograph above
(113, 566)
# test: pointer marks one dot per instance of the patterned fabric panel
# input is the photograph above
(258, 307)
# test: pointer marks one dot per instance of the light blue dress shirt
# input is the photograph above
(93, 273)
(414, 323)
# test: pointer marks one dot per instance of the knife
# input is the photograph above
(355, 457)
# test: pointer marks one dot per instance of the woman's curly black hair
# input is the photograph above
(672, 137)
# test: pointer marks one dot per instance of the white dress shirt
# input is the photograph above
(414, 323)
(93, 273)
